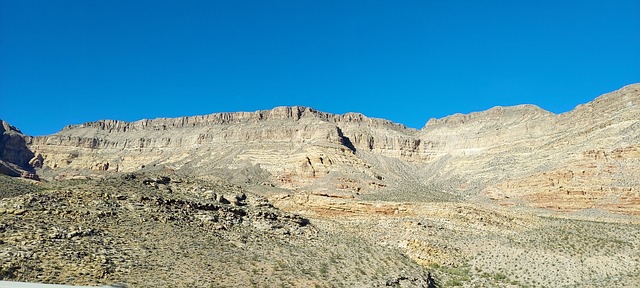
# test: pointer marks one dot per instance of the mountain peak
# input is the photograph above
(8, 128)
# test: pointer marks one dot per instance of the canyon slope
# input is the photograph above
(523, 155)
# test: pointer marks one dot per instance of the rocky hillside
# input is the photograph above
(155, 231)
(299, 148)
(167, 230)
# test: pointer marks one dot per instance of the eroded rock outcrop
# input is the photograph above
(15, 156)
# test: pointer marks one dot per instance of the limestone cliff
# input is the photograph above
(305, 149)
(507, 142)
(591, 159)
(296, 145)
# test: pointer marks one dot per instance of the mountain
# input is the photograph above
(15, 157)
(496, 153)
(295, 197)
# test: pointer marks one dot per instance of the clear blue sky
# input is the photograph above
(68, 62)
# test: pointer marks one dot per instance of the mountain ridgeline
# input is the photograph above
(491, 154)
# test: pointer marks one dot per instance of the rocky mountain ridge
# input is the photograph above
(294, 113)
(303, 149)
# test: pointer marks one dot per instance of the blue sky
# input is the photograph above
(68, 62)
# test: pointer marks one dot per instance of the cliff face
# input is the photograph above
(296, 145)
(15, 157)
(301, 148)
(592, 159)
